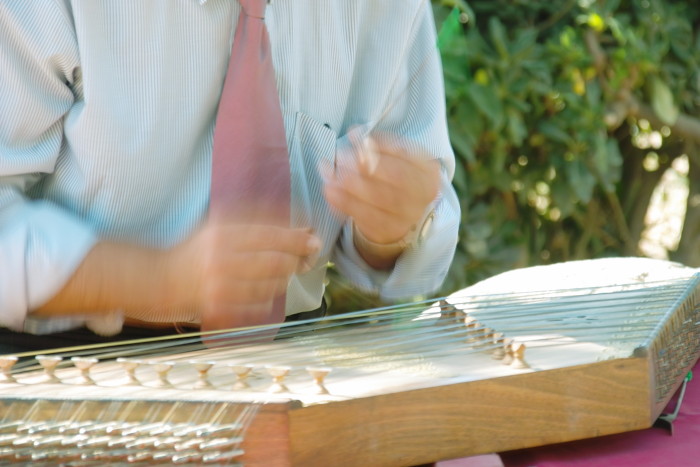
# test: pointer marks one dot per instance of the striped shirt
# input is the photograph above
(107, 113)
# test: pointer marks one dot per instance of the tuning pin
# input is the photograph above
(139, 457)
(162, 369)
(499, 352)
(6, 364)
(203, 370)
(472, 326)
(49, 364)
(319, 375)
(508, 351)
(519, 356)
(448, 312)
(242, 372)
(278, 374)
(222, 457)
(84, 364)
(130, 367)
(192, 457)
(486, 337)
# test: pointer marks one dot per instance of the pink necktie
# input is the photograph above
(250, 168)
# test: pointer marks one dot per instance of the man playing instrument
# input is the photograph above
(107, 117)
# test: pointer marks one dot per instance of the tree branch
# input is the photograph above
(558, 16)
(627, 105)
(688, 251)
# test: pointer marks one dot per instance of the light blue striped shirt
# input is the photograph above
(107, 113)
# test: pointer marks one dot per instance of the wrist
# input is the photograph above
(373, 252)
(383, 256)
(114, 277)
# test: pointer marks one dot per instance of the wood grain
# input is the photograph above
(492, 415)
(266, 442)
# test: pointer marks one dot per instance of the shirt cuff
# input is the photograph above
(421, 268)
(41, 246)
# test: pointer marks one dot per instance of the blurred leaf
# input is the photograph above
(607, 160)
(581, 180)
(563, 198)
(500, 178)
(517, 131)
(498, 35)
(662, 101)
(462, 143)
(554, 132)
(615, 161)
(463, 6)
(488, 102)
(459, 180)
(609, 6)
(480, 180)
(450, 29)
(524, 44)
(465, 127)
(480, 230)
(617, 31)
(519, 105)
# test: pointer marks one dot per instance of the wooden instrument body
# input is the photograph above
(416, 410)
(477, 417)
(443, 422)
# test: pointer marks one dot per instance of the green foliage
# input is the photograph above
(549, 107)
(542, 111)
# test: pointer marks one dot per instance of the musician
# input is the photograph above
(107, 119)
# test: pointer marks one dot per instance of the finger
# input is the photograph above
(392, 146)
(379, 224)
(354, 193)
(347, 199)
(299, 242)
(241, 292)
(403, 172)
(413, 188)
(369, 157)
(255, 265)
(417, 179)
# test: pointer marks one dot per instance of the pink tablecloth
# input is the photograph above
(654, 447)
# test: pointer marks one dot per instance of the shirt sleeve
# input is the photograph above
(41, 244)
(415, 112)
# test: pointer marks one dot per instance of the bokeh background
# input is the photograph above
(576, 128)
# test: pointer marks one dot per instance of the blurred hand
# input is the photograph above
(385, 191)
(226, 274)
(234, 272)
